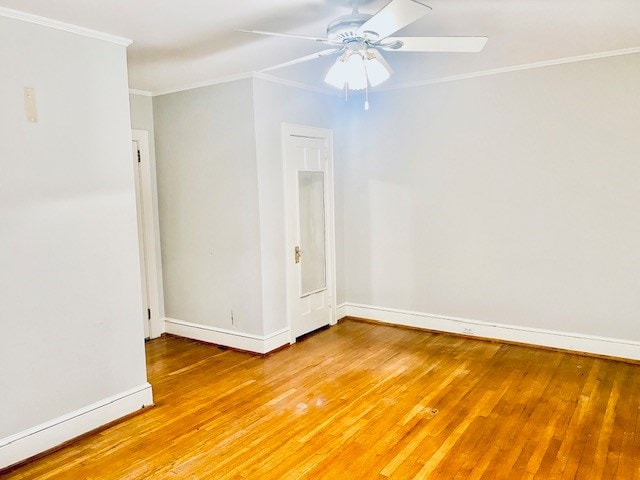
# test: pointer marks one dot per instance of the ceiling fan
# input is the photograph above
(359, 38)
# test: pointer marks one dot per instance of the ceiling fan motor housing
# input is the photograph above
(346, 27)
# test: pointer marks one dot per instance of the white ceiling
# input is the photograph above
(188, 42)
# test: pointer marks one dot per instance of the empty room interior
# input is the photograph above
(321, 239)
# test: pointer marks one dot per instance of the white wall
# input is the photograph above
(511, 198)
(69, 282)
(221, 198)
(208, 205)
(274, 105)
(142, 119)
(508, 199)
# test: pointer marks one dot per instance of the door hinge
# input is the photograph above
(138, 156)
(148, 314)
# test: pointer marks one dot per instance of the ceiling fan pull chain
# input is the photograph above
(366, 97)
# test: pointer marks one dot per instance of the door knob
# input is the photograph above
(298, 252)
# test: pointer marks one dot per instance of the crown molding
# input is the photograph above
(65, 27)
(206, 83)
(515, 68)
(143, 93)
(233, 78)
(433, 81)
(290, 83)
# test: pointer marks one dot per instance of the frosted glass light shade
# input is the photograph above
(348, 72)
(356, 71)
(336, 76)
(376, 72)
(356, 74)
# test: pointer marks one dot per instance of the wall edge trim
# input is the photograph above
(234, 78)
(205, 83)
(291, 83)
(514, 68)
(65, 27)
(401, 86)
(577, 342)
(143, 93)
(229, 338)
(23, 445)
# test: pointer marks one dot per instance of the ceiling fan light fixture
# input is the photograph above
(377, 71)
(356, 73)
(357, 69)
(337, 76)
(348, 71)
(359, 38)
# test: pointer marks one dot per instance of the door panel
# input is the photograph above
(312, 232)
(142, 241)
(310, 242)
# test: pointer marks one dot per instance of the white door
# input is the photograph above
(142, 241)
(308, 163)
(148, 235)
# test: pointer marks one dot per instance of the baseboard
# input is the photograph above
(276, 340)
(41, 438)
(577, 342)
(229, 338)
(341, 311)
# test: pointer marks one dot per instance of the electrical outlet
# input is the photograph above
(467, 331)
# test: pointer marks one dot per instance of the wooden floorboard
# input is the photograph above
(372, 402)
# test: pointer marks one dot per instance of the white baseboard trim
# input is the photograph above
(276, 340)
(229, 338)
(41, 438)
(341, 311)
(578, 342)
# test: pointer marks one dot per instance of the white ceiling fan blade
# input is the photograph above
(289, 35)
(394, 16)
(434, 44)
(313, 56)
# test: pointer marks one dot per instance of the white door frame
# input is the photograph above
(155, 298)
(291, 211)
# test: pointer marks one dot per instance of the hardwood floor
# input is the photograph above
(363, 401)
